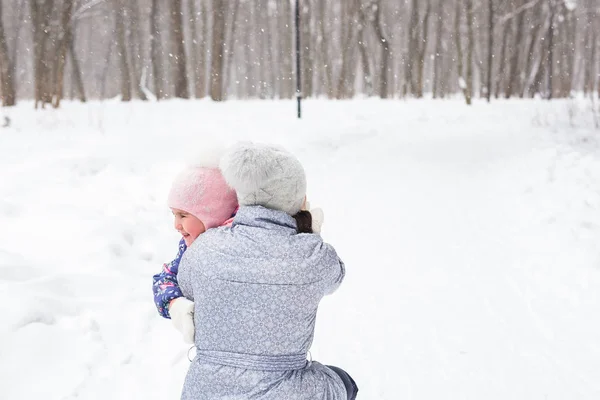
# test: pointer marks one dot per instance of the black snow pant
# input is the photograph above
(349, 383)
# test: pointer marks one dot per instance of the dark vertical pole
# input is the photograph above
(298, 91)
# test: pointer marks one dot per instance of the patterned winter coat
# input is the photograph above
(256, 288)
(165, 286)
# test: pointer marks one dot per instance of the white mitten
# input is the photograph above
(182, 315)
(317, 216)
(317, 219)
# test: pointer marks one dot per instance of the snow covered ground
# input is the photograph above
(471, 238)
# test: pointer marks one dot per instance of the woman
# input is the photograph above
(256, 287)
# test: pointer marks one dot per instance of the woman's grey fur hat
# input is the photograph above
(265, 175)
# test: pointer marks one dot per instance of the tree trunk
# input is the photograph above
(7, 82)
(437, 66)
(201, 66)
(346, 40)
(362, 47)
(385, 54)
(286, 89)
(156, 53)
(76, 70)
(471, 37)
(537, 29)
(134, 45)
(327, 61)
(502, 60)
(422, 50)
(569, 56)
(512, 84)
(15, 44)
(122, 52)
(459, 53)
(490, 54)
(104, 74)
(178, 61)
(231, 43)
(193, 47)
(67, 37)
(591, 44)
(271, 67)
(249, 64)
(411, 58)
(550, 68)
(41, 12)
(307, 49)
(217, 51)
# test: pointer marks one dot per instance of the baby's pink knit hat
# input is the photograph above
(203, 192)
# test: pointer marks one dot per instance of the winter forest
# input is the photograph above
(451, 156)
(237, 49)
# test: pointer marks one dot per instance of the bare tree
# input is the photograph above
(591, 46)
(490, 49)
(413, 40)
(230, 49)
(7, 83)
(122, 51)
(16, 39)
(217, 51)
(569, 38)
(177, 56)
(285, 28)
(512, 84)
(471, 39)
(156, 51)
(422, 48)
(459, 52)
(385, 52)
(362, 46)
(550, 37)
(438, 73)
(77, 77)
(327, 68)
(193, 48)
(537, 20)
(347, 38)
(134, 48)
(307, 49)
(502, 60)
(245, 48)
(64, 40)
(202, 67)
(41, 12)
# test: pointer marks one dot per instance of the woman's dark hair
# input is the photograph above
(303, 221)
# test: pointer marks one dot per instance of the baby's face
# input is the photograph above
(189, 226)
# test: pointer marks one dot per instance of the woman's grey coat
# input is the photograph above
(256, 288)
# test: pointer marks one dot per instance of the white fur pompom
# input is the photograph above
(247, 166)
(208, 156)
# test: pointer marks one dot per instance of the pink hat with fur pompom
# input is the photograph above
(203, 192)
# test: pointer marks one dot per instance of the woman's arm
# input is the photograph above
(334, 271)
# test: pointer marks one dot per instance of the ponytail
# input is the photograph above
(303, 221)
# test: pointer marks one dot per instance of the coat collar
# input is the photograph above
(261, 217)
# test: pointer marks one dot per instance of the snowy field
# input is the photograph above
(471, 238)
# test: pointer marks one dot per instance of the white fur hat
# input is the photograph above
(265, 175)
